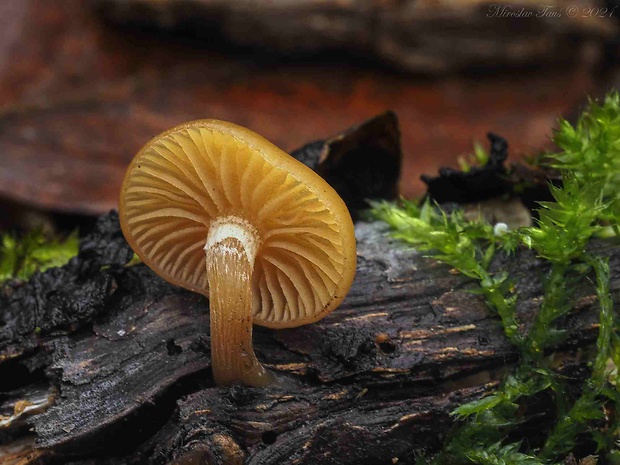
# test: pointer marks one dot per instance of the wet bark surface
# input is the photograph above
(414, 35)
(103, 363)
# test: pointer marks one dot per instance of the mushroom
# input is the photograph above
(217, 209)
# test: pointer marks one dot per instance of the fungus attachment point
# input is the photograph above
(279, 243)
(230, 253)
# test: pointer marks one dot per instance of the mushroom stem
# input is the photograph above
(231, 249)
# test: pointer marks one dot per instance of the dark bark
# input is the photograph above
(120, 374)
(416, 35)
(361, 163)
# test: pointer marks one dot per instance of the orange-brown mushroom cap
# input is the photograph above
(186, 179)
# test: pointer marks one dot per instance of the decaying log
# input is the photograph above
(107, 364)
(426, 36)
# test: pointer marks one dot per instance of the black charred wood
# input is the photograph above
(117, 363)
(361, 163)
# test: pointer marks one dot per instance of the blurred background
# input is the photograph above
(84, 84)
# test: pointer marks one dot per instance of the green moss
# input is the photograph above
(135, 260)
(21, 257)
(479, 158)
(586, 204)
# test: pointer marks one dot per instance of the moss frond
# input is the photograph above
(585, 204)
(21, 257)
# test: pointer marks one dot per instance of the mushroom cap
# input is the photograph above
(186, 178)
